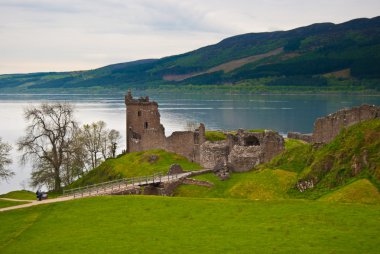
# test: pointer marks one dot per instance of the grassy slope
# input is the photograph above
(8, 203)
(266, 184)
(137, 224)
(263, 185)
(332, 164)
(21, 194)
(362, 191)
(134, 164)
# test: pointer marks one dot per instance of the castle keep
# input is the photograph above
(240, 152)
(145, 131)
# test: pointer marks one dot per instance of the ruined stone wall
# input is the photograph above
(243, 151)
(145, 131)
(244, 158)
(213, 154)
(308, 138)
(327, 128)
(182, 143)
(272, 144)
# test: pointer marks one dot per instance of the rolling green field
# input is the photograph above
(147, 224)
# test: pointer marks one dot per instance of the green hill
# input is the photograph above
(354, 154)
(133, 165)
(146, 224)
(320, 56)
(362, 191)
(21, 194)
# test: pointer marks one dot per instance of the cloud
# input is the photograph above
(45, 35)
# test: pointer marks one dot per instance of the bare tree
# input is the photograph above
(48, 140)
(5, 173)
(99, 142)
(75, 161)
(114, 138)
(94, 136)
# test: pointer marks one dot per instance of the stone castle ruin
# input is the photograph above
(328, 127)
(145, 131)
(239, 152)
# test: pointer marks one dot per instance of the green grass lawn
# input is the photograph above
(145, 224)
(20, 194)
(8, 203)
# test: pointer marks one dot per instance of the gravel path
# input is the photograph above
(33, 203)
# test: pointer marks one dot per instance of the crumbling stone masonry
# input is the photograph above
(240, 152)
(145, 131)
(308, 138)
(327, 128)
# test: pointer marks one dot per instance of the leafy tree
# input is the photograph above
(5, 148)
(48, 142)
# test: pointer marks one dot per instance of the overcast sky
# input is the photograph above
(61, 35)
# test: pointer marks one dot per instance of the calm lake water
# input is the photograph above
(282, 113)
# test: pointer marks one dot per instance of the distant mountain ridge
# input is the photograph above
(317, 56)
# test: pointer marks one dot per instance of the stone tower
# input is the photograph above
(144, 130)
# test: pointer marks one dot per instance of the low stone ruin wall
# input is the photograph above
(327, 128)
(242, 151)
(308, 138)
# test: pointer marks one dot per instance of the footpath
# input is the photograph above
(32, 202)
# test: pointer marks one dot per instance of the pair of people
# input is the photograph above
(39, 195)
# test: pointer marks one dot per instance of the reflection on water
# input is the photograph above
(282, 113)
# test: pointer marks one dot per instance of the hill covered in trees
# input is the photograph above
(317, 56)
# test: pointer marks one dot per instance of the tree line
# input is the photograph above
(59, 150)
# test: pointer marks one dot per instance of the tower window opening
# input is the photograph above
(146, 125)
(139, 113)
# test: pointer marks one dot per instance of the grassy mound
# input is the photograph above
(361, 191)
(220, 135)
(8, 203)
(215, 136)
(263, 185)
(20, 194)
(143, 224)
(354, 154)
(134, 164)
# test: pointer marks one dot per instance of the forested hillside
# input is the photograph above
(319, 55)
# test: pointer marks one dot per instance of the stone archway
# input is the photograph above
(251, 141)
